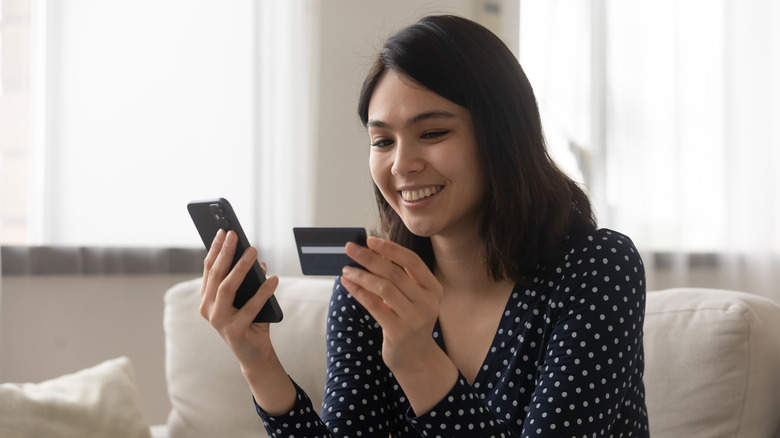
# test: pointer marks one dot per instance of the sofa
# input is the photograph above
(712, 369)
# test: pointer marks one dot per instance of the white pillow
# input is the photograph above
(101, 401)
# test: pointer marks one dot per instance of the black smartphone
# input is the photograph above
(210, 216)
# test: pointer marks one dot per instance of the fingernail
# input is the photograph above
(354, 248)
(249, 255)
(347, 271)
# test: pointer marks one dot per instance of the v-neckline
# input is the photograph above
(439, 337)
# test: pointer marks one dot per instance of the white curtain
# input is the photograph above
(140, 108)
(673, 108)
(286, 99)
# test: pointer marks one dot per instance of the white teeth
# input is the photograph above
(416, 195)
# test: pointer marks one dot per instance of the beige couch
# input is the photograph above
(712, 370)
(712, 362)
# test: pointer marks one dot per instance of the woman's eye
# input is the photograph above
(381, 143)
(433, 134)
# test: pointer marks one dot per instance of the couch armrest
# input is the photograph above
(711, 361)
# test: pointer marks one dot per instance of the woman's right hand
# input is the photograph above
(250, 342)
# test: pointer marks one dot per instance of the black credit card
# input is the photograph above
(321, 250)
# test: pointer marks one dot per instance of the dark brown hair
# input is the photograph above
(530, 207)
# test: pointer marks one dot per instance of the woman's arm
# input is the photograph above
(361, 396)
(403, 295)
(250, 342)
(590, 378)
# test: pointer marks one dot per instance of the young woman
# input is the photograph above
(491, 305)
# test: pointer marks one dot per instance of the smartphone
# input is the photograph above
(210, 216)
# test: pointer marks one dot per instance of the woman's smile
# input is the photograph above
(416, 195)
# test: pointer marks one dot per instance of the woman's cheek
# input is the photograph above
(380, 173)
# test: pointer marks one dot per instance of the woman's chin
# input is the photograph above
(420, 229)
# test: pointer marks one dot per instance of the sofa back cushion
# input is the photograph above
(712, 364)
(208, 394)
(712, 361)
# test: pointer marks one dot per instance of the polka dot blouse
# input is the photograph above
(566, 361)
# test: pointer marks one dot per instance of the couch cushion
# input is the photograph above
(711, 363)
(101, 401)
(208, 394)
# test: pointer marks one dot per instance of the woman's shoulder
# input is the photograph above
(601, 250)
(602, 240)
(603, 263)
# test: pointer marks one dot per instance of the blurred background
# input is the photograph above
(114, 114)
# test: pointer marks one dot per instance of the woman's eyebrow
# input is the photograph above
(428, 115)
(437, 114)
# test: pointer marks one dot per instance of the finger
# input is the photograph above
(221, 266)
(208, 290)
(404, 257)
(383, 268)
(246, 315)
(377, 307)
(364, 282)
(226, 291)
(211, 256)
(264, 267)
(217, 272)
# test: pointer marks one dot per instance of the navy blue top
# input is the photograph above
(567, 360)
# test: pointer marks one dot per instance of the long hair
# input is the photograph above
(530, 207)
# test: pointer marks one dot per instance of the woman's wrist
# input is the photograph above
(271, 387)
(427, 381)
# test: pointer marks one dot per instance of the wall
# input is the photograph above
(56, 324)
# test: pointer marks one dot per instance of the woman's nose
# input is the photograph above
(407, 159)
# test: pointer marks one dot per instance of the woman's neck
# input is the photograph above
(460, 266)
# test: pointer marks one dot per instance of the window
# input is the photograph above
(669, 108)
(144, 106)
(131, 119)
(15, 114)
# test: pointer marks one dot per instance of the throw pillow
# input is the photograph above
(101, 401)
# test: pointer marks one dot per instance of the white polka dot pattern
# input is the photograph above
(566, 361)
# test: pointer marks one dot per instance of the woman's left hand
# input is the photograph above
(402, 294)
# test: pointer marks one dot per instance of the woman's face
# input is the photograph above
(424, 158)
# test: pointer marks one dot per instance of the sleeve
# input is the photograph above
(302, 421)
(460, 414)
(590, 379)
(356, 399)
(361, 396)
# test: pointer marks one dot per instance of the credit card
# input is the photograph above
(321, 250)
